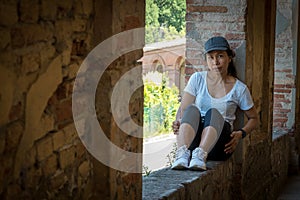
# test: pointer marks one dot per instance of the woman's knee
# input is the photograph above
(213, 115)
(191, 116)
(214, 118)
(192, 110)
(213, 112)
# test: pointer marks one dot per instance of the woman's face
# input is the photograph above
(218, 61)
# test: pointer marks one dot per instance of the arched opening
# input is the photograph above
(157, 66)
(182, 79)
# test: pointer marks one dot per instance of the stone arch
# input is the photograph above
(158, 64)
(180, 73)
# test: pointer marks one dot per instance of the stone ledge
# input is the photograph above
(215, 183)
(264, 163)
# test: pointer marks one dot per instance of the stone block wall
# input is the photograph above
(260, 178)
(216, 183)
(42, 46)
(118, 17)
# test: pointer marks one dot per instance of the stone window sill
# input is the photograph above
(186, 184)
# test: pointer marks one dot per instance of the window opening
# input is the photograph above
(165, 23)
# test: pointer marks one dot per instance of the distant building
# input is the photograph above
(168, 56)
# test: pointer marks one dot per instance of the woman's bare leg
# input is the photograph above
(186, 135)
(209, 138)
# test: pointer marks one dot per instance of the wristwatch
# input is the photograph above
(243, 132)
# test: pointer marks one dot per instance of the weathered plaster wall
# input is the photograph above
(42, 46)
(285, 66)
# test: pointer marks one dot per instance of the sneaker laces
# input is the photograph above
(200, 153)
(181, 151)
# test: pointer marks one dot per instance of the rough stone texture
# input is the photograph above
(42, 46)
(177, 184)
(125, 15)
(9, 13)
(40, 155)
(44, 148)
(261, 177)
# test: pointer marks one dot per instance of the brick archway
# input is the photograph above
(158, 64)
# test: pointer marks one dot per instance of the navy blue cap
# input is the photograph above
(216, 43)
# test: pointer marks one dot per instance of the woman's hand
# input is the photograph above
(235, 138)
(175, 126)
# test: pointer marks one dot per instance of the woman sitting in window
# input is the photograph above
(207, 111)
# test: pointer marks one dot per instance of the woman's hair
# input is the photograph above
(231, 67)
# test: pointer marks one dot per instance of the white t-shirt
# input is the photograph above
(238, 96)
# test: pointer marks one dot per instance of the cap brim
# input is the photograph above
(216, 49)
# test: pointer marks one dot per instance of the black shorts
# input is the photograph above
(215, 119)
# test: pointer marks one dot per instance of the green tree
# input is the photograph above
(172, 13)
(151, 14)
(152, 24)
(165, 20)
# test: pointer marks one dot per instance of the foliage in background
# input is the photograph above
(165, 20)
(159, 34)
(172, 13)
(160, 104)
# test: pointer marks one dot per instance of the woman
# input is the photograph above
(207, 110)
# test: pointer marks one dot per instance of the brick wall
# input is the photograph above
(285, 67)
(205, 19)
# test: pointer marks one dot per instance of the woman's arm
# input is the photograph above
(249, 126)
(252, 120)
(187, 100)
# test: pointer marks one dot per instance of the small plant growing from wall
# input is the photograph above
(146, 171)
(171, 156)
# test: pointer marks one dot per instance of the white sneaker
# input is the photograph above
(182, 158)
(198, 161)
